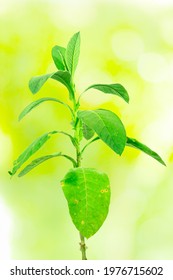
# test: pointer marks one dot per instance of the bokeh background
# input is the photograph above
(129, 42)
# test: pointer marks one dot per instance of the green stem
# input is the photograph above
(78, 160)
(82, 238)
(93, 140)
(78, 164)
(83, 247)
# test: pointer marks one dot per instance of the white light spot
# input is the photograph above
(167, 30)
(76, 13)
(127, 45)
(153, 67)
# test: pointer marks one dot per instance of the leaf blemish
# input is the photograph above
(104, 191)
(82, 222)
(76, 201)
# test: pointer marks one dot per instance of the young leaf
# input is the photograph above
(115, 89)
(88, 133)
(72, 53)
(131, 142)
(37, 82)
(36, 162)
(108, 127)
(64, 78)
(30, 150)
(34, 104)
(88, 195)
(58, 55)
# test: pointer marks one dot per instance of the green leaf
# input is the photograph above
(108, 127)
(37, 82)
(88, 195)
(88, 133)
(131, 142)
(72, 53)
(58, 55)
(35, 146)
(115, 89)
(64, 78)
(34, 104)
(36, 162)
(30, 150)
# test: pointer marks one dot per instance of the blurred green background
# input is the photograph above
(129, 42)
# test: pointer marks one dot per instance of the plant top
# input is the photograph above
(87, 190)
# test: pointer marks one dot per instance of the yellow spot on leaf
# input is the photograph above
(82, 222)
(62, 184)
(104, 191)
(76, 201)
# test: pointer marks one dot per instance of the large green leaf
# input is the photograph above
(36, 162)
(108, 127)
(34, 104)
(64, 78)
(72, 53)
(88, 195)
(37, 82)
(30, 150)
(115, 89)
(58, 55)
(88, 133)
(131, 142)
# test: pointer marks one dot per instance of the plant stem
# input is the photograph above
(82, 238)
(83, 247)
(78, 160)
(78, 164)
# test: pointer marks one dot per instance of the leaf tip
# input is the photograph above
(120, 153)
(163, 163)
(78, 33)
(31, 87)
(19, 118)
(10, 173)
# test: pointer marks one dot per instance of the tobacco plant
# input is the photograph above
(86, 190)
